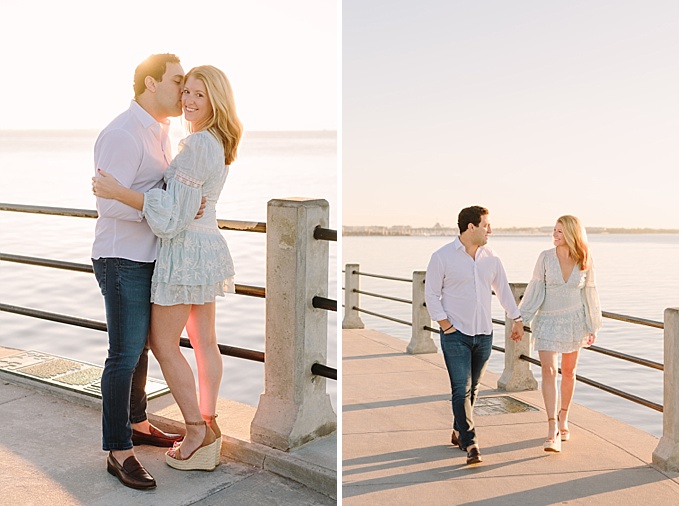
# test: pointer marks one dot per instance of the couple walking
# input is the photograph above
(561, 301)
(160, 259)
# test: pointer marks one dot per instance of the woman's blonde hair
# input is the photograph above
(576, 240)
(224, 123)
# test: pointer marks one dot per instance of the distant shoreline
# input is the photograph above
(439, 231)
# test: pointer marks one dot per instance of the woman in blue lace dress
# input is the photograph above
(562, 303)
(194, 264)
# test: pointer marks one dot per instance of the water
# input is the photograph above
(636, 275)
(54, 169)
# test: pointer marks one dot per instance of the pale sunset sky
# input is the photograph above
(69, 64)
(531, 108)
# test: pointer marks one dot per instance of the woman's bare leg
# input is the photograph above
(550, 368)
(167, 324)
(569, 362)
(201, 330)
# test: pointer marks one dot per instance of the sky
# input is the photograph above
(69, 64)
(531, 108)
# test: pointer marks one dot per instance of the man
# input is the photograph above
(135, 149)
(458, 290)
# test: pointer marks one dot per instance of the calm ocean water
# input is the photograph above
(636, 275)
(54, 169)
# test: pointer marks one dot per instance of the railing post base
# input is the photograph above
(421, 340)
(666, 455)
(351, 320)
(294, 408)
(517, 375)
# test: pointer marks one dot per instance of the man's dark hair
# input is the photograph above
(471, 215)
(154, 66)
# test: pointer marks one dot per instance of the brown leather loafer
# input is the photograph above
(131, 474)
(474, 456)
(156, 438)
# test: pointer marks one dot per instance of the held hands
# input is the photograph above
(105, 185)
(517, 331)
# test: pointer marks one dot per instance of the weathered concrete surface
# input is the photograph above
(396, 442)
(50, 454)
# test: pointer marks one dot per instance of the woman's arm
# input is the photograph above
(105, 186)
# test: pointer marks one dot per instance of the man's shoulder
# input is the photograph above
(446, 249)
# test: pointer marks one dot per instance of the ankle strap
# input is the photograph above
(202, 422)
(550, 419)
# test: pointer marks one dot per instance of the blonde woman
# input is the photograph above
(562, 306)
(194, 264)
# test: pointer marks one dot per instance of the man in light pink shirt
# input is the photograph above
(461, 277)
(135, 149)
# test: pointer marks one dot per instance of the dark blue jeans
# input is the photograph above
(126, 287)
(466, 359)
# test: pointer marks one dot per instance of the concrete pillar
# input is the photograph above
(666, 455)
(294, 407)
(351, 320)
(421, 340)
(517, 375)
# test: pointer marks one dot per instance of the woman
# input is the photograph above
(194, 264)
(562, 302)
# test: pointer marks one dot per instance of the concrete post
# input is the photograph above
(421, 340)
(294, 407)
(666, 455)
(517, 375)
(351, 320)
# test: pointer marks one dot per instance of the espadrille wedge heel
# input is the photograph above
(201, 459)
(212, 423)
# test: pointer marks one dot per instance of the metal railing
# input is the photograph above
(597, 349)
(246, 290)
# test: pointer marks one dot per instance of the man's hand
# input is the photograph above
(517, 331)
(201, 209)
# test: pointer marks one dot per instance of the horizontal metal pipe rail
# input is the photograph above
(249, 290)
(325, 234)
(386, 297)
(604, 351)
(242, 226)
(231, 351)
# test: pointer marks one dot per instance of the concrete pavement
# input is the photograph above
(50, 454)
(396, 441)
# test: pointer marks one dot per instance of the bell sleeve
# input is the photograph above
(535, 292)
(590, 300)
(169, 212)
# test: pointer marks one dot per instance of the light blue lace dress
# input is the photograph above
(194, 264)
(561, 313)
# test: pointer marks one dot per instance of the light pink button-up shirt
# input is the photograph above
(135, 149)
(460, 288)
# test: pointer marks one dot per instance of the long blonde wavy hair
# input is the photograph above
(224, 123)
(576, 240)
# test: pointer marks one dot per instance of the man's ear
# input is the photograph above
(150, 84)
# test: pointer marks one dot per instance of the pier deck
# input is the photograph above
(50, 454)
(396, 441)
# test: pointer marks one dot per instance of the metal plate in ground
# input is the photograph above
(500, 405)
(71, 375)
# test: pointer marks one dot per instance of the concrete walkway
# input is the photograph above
(396, 441)
(50, 454)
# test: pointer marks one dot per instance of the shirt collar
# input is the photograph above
(144, 117)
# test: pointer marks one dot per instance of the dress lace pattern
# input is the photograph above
(562, 312)
(194, 263)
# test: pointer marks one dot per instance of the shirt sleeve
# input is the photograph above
(433, 288)
(535, 292)
(504, 292)
(590, 299)
(117, 153)
(169, 212)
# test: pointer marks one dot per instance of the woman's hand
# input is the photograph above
(590, 340)
(105, 185)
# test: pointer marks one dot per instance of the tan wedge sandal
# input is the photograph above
(553, 445)
(212, 423)
(201, 459)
